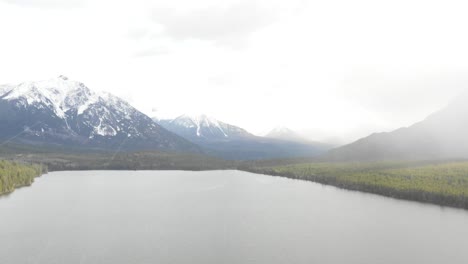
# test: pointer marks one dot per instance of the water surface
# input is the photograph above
(130, 217)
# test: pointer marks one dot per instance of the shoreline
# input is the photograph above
(409, 195)
(16, 175)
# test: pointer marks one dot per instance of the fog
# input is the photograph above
(440, 136)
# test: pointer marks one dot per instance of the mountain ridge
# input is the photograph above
(441, 135)
(62, 111)
(232, 142)
(202, 127)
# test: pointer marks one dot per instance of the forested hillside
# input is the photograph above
(14, 175)
(444, 183)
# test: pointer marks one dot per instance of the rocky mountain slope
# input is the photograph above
(203, 128)
(65, 112)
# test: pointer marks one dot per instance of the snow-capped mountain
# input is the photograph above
(203, 128)
(4, 88)
(232, 142)
(63, 111)
(285, 133)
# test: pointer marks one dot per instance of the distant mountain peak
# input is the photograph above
(202, 127)
(280, 130)
(232, 142)
(200, 122)
(285, 133)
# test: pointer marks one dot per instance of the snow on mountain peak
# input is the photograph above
(81, 110)
(284, 133)
(281, 130)
(199, 122)
(63, 111)
(202, 128)
(61, 94)
(5, 88)
(201, 119)
(69, 99)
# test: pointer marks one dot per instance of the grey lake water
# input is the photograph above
(132, 217)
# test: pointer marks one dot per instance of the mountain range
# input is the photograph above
(60, 111)
(231, 142)
(66, 113)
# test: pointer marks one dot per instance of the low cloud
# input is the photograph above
(227, 23)
(215, 23)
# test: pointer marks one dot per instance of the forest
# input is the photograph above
(443, 183)
(14, 175)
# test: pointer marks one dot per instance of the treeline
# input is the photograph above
(14, 175)
(437, 183)
(57, 159)
(128, 161)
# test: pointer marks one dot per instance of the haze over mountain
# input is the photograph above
(232, 142)
(285, 133)
(60, 111)
(442, 135)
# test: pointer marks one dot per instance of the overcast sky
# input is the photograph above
(334, 69)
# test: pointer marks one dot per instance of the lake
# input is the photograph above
(132, 217)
